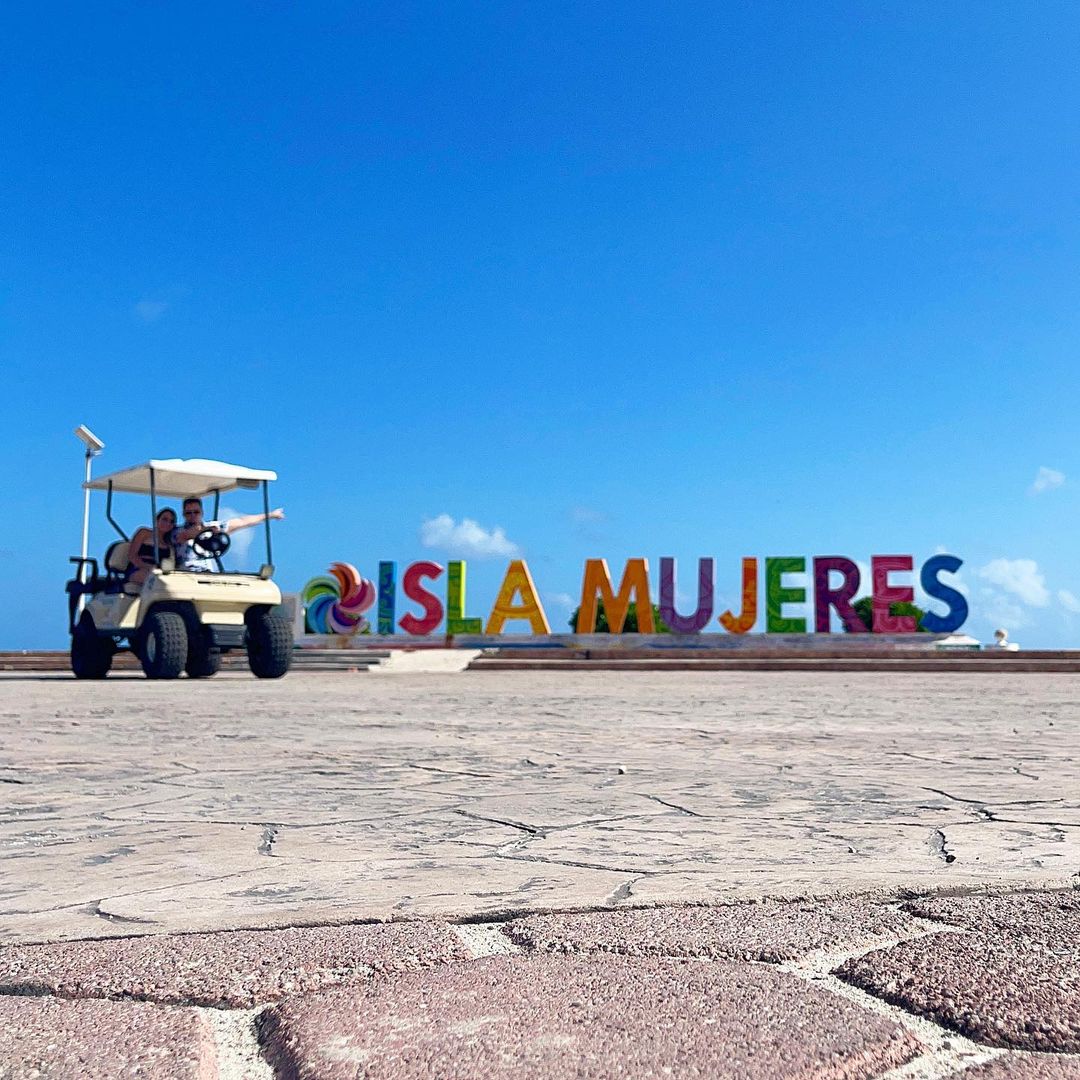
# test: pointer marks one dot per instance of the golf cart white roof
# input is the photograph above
(180, 478)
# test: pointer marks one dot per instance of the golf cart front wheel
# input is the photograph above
(164, 645)
(91, 654)
(269, 644)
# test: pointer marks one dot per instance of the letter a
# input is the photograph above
(518, 580)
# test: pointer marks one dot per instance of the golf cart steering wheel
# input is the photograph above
(210, 544)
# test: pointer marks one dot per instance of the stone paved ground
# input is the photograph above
(589, 875)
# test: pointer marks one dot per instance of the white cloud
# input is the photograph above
(151, 310)
(1068, 601)
(466, 538)
(240, 541)
(560, 600)
(997, 610)
(1020, 577)
(1046, 480)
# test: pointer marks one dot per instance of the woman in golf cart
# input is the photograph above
(142, 547)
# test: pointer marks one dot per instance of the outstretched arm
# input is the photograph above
(233, 524)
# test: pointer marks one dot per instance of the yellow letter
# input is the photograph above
(635, 582)
(518, 580)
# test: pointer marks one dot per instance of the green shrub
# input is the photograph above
(629, 627)
(864, 608)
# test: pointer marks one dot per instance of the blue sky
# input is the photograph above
(726, 280)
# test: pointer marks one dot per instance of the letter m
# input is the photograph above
(597, 586)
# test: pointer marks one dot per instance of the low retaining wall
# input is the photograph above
(906, 662)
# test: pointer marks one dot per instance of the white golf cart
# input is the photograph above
(177, 620)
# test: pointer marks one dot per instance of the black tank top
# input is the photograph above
(146, 551)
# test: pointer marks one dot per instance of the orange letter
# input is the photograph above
(748, 616)
(635, 582)
(517, 580)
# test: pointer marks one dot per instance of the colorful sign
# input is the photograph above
(336, 604)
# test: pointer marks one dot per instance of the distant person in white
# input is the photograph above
(186, 557)
(1001, 641)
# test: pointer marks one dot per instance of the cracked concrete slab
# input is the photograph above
(554, 1017)
(377, 888)
(86, 868)
(551, 811)
(138, 810)
(340, 799)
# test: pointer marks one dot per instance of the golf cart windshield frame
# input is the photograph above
(265, 484)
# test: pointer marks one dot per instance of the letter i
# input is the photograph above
(387, 596)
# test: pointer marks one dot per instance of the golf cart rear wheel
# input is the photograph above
(91, 654)
(203, 659)
(164, 645)
(269, 644)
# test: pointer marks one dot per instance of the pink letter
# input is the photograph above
(885, 595)
(433, 609)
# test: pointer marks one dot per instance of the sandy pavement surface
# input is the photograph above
(131, 807)
(867, 877)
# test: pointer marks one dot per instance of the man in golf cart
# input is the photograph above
(200, 558)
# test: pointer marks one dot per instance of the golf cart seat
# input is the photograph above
(116, 566)
(116, 557)
(117, 563)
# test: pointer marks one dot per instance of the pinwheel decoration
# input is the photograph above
(335, 604)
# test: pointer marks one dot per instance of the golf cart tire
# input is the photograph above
(203, 658)
(269, 644)
(164, 645)
(91, 654)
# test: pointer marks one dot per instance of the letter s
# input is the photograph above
(958, 605)
(433, 609)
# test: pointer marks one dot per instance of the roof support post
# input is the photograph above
(266, 512)
(153, 516)
(108, 514)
